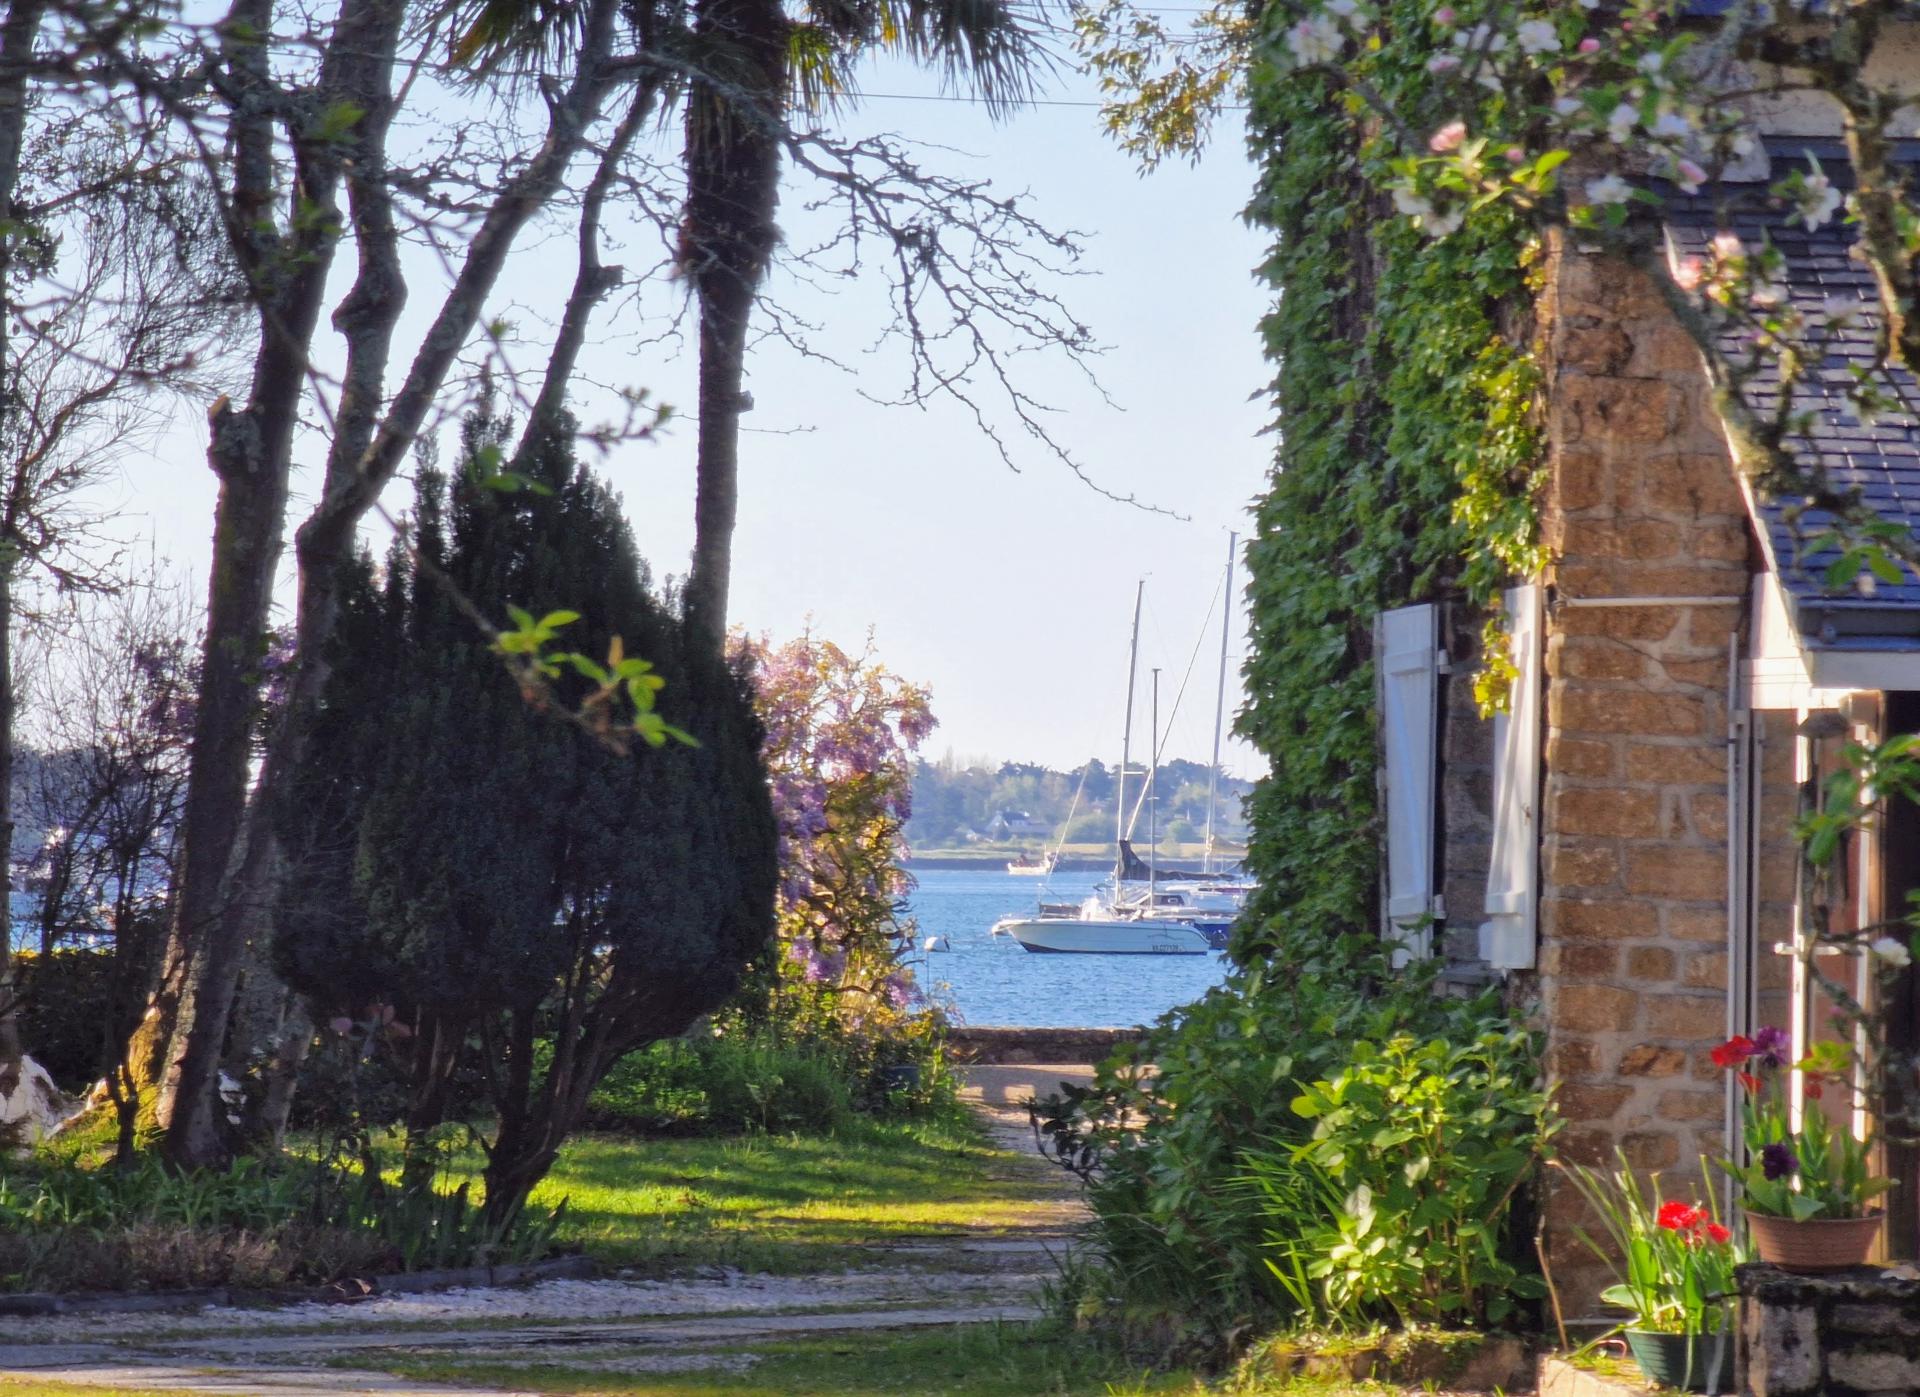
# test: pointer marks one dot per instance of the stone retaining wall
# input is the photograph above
(1852, 1335)
(1056, 1045)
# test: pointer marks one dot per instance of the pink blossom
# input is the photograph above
(1515, 155)
(1448, 137)
(1589, 45)
(1689, 273)
(1444, 15)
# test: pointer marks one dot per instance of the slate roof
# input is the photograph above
(1881, 461)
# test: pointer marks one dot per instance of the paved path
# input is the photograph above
(617, 1326)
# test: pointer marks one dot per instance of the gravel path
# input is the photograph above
(616, 1325)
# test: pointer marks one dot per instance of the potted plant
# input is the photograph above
(1807, 1192)
(1674, 1261)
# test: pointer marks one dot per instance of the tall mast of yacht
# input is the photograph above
(1153, 795)
(1126, 738)
(1220, 699)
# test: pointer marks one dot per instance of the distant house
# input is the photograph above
(1016, 824)
(1619, 844)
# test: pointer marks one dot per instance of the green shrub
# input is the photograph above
(735, 1083)
(1398, 1206)
(1201, 1215)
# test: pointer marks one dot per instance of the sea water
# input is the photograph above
(990, 981)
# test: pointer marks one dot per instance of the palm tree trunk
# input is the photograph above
(734, 121)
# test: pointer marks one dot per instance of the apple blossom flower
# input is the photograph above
(1344, 9)
(1447, 138)
(1443, 63)
(1516, 156)
(1727, 246)
(1671, 126)
(1589, 45)
(1893, 951)
(1316, 39)
(1567, 106)
(1482, 37)
(1621, 121)
(1818, 201)
(1444, 15)
(1689, 175)
(1688, 273)
(1609, 189)
(1651, 63)
(1537, 36)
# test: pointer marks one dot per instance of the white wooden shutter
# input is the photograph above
(1507, 937)
(1408, 644)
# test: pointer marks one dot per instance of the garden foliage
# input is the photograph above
(483, 889)
(1240, 1187)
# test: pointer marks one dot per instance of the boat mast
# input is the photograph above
(1220, 700)
(1126, 737)
(1153, 796)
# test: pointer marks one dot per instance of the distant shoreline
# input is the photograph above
(1076, 862)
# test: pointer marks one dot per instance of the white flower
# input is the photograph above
(1480, 38)
(1727, 246)
(1443, 63)
(1621, 121)
(1439, 224)
(1894, 952)
(1567, 106)
(1672, 126)
(1316, 39)
(1689, 176)
(1818, 202)
(1537, 36)
(1688, 273)
(1345, 9)
(1768, 294)
(1609, 189)
(1411, 204)
(1650, 63)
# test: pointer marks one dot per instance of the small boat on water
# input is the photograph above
(1038, 867)
(1106, 936)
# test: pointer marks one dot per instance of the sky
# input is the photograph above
(1009, 593)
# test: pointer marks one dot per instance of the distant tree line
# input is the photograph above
(1024, 803)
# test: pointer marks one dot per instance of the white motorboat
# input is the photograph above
(1105, 936)
(1040, 867)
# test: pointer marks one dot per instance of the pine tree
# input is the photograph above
(494, 876)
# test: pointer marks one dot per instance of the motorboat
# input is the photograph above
(1137, 936)
(1039, 867)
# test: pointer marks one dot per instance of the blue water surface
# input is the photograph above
(988, 981)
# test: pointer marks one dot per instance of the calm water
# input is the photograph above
(990, 981)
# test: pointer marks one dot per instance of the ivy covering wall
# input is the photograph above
(1406, 459)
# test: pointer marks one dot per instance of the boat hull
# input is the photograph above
(1049, 936)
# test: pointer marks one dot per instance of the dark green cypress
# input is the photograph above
(498, 876)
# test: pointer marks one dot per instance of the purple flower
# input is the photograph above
(1777, 1160)
(1772, 1046)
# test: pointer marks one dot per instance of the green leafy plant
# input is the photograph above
(1424, 1142)
(1674, 1259)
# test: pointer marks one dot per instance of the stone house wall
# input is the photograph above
(1641, 508)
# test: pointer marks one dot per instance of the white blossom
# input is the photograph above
(1621, 121)
(1818, 202)
(1651, 63)
(1443, 63)
(1567, 106)
(1410, 203)
(1316, 39)
(1442, 222)
(1480, 38)
(1893, 951)
(1672, 126)
(1345, 9)
(1537, 36)
(1609, 189)
(1689, 175)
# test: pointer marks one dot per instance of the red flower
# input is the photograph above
(1718, 1234)
(1733, 1052)
(1814, 1089)
(1676, 1216)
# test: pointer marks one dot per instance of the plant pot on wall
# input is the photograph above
(1689, 1362)
(1816, 1245)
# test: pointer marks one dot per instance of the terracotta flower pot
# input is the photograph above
(1689, 1362)
(1816, 1245)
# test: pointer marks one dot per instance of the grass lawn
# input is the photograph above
(973, 1361)
(782, 1203)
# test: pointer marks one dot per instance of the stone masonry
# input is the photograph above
(1856, 1334)
(1650, 539)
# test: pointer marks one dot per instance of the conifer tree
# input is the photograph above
(489, 878)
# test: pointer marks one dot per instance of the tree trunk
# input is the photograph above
(11, 1049)
(733, 189)
(199, 970)
(18, 34)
